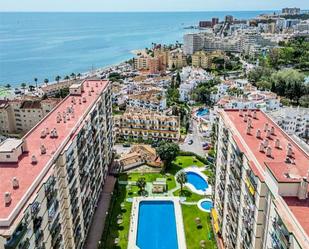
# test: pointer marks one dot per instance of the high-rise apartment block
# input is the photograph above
(51, 179)
(261, 194)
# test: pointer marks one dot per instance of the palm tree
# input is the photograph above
(181, 179)
(36, 82)
(31, 88)
(73, 76)
(58, 78)
(46, 81)
(67, 77)
(79, 75)
(23, 86)
(141, 184)
(8, 86)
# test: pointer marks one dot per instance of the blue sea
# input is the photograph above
(44, 45)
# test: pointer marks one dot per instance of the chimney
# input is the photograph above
(47, 130)
(43, 134)
(241, 112)
(58, 119)
(261, 148)
(266, 127)
(258, 133)
(55, 133)
(250, 122)
(87, 83)
(289, 152)
(254, 115)
(80, 101)
(248, 129)
(246, 118)
(266, 143)
(303, 189)
(272, 130)
(268, 134)
(268, 151)
(68, 116)
(15, 183)
(34, 160)
(249, 113)
(277, 143)
(7, 198)
(84, 100)
(96, 84)
(92, 90)
(74, 100)
(43, 149)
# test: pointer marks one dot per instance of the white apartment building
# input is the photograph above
(20, 115)
(192, 43)
(51, 179)
(294, 121)
(261, 194)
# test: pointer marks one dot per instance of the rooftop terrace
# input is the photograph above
(66, 117)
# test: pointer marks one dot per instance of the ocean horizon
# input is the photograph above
(46, 44)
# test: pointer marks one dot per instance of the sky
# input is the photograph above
(148, 5)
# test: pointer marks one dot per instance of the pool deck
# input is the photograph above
(201, 174)
(134, 220)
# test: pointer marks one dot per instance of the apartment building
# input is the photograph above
(192, 43)
(177, 59)
(152, 99)
(140, 124)
(51, 179)
(261, 194)
(20, 115)
(51, 89)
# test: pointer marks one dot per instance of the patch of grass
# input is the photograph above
(191, 197)
(186, 161)
(194, 234)
(149, 177)
(113, 229)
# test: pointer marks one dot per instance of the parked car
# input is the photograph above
(126, 145)
(190, 142)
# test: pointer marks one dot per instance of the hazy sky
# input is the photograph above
(148, 5)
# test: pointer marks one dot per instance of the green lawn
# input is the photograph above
(193, 234)
(186, 161)
(119, 231)
(190, 197)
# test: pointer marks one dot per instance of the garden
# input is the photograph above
(197, 224)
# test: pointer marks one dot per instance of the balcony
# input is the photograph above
(16, 237)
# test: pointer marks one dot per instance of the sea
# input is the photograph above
(44, 45)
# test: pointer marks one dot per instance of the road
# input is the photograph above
(197, 139)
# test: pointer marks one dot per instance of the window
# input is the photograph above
(8, 156)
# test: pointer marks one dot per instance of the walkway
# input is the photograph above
(97, 226)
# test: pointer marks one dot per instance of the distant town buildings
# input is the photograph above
(291, 11)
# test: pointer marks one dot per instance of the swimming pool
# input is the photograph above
(205, 205)
(202, 112)
(156, 219)
(197, 181)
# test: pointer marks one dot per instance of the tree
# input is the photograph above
(79, 75)
(178, 79)
(141, 184)
(168, 152)
(67, 77)
(23, 86)
(46, 81)
(304, 101)
(36, 82)
(31, 88)
(57, 78)
(73, 76)
(181, 179)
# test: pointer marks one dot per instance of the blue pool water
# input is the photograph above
(207, 205)
(202, 112)
(156, 225)
(197, 181)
